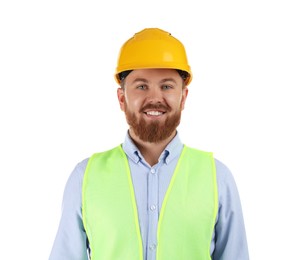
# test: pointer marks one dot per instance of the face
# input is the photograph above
(152, 100)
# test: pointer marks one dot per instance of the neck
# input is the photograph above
(151, 151)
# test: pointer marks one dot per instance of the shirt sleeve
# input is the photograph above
(71, 242)
(230, 235)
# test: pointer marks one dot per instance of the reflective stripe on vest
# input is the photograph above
(187, 216)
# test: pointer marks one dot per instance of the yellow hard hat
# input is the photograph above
(152, 48)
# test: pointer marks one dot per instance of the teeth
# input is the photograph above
(154, 113)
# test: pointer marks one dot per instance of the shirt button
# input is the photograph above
(152, 171)
(152, 247)
(152, 207)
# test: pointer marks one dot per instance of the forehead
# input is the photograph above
(154, 74)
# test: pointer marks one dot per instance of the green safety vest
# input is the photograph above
(186, 220)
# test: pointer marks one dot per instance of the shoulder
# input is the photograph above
(80, 167)
(223, 173)
(75, 179)
(224, 176)
(78, 172)
(107, 154)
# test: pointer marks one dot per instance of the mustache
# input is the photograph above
(155, 107)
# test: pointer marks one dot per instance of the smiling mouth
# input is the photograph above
(154, 113)
(155, 110)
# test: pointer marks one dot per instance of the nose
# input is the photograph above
(155, 95)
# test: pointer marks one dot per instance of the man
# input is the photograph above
(151, 197)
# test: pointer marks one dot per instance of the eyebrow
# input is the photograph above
(168, 79)
(141, 80)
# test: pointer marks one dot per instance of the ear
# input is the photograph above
(121, 98)
(184, 96)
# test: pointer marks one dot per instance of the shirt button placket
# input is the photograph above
(152, 213)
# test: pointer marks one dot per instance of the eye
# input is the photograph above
(142, 87)
(166, 87)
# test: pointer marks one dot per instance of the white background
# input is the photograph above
(58, 105)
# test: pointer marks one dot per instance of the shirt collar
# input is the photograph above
(172, 150)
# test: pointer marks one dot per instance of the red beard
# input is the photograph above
(154, 131)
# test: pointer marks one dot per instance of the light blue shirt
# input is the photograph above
(150, 185)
